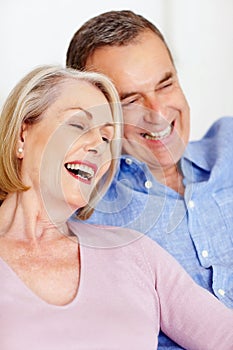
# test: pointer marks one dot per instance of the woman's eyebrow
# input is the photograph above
(87, 113)
(109, 124)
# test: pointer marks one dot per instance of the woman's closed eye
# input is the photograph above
(78, 126)
(80, 120)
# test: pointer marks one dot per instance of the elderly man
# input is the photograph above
(179, 193)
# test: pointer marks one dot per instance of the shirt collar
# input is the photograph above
(195, 153)
(194, 164)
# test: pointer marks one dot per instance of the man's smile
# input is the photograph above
(159, 135)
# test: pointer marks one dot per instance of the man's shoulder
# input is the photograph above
(214, 148)
(218, 136)
(222, 126)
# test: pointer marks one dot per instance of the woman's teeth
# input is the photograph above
(158, 135)
(80, 170)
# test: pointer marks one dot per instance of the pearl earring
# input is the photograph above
(20, 150)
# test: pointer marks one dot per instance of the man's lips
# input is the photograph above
(159, 135)
(82, 171)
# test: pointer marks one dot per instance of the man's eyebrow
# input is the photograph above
(167, 76)
(127, 94)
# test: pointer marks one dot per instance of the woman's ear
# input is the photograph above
(21, 142)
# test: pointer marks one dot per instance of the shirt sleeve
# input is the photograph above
(189, 314)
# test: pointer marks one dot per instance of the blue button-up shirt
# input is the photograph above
(197, 228)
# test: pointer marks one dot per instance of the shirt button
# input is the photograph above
(148, 184)
(128, 161)
(204, 253)
(191, 204)
(221, 292)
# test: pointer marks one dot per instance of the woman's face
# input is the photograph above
(68, 151)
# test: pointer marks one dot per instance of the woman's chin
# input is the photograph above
(75, 203)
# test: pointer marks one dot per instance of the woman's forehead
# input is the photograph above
(78, 97)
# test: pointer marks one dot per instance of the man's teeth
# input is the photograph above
(81, 170)
(158, 135)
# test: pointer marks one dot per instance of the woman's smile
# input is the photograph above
(81, 171)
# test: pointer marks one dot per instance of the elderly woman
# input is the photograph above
(67, 285)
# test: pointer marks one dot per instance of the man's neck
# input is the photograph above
(171, 177)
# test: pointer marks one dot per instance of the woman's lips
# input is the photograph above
(81, 171)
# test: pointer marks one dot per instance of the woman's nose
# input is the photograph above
(95, 142)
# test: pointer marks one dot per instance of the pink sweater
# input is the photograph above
(129, 288)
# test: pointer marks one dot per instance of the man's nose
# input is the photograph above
(154, 109)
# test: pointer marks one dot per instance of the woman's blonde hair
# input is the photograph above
(26, 104)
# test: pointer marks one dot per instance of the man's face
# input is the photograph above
(156, 113)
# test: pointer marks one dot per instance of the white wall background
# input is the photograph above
(199, 33)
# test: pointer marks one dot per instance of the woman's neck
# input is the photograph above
(24, 217)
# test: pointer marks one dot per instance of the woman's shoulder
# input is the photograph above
(103, 236)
